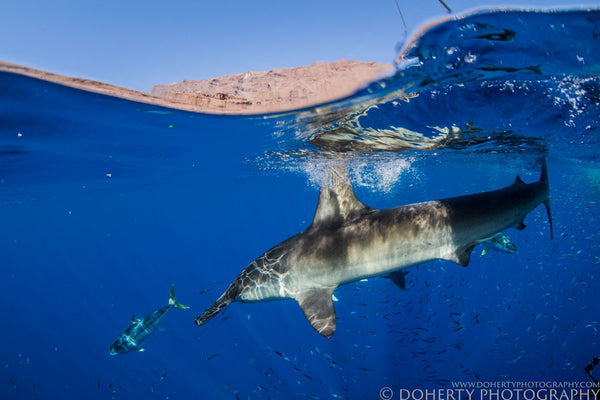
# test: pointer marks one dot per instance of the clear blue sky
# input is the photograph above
(138, 44)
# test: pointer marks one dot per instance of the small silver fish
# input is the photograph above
(500, 242)
(141, 328)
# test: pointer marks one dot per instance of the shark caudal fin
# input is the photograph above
(173, 302)
(544, 180)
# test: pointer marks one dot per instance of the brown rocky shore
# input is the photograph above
(251, 92)
(277, 89)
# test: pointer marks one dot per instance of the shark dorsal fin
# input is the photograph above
(337, 200)
(519, 181)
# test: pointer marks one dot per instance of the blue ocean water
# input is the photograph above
(106, 203)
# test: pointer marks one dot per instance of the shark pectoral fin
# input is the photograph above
(317, 306)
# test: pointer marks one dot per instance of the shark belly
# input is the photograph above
(266, 292)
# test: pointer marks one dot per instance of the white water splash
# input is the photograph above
(383, 176)
(380, 177)
(570, 91)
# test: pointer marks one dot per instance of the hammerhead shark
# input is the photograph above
(349, 241)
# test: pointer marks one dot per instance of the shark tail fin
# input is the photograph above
(544, 180)
(173, 302)
(547, 204)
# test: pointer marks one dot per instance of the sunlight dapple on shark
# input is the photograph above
(349, 241)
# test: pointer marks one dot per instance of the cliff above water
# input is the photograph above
(251, 92)
(275, 90)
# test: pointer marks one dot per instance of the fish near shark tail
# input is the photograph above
(173, 301)
(232, 292)
(544, 180)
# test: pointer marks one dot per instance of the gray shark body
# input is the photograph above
(349, 241)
